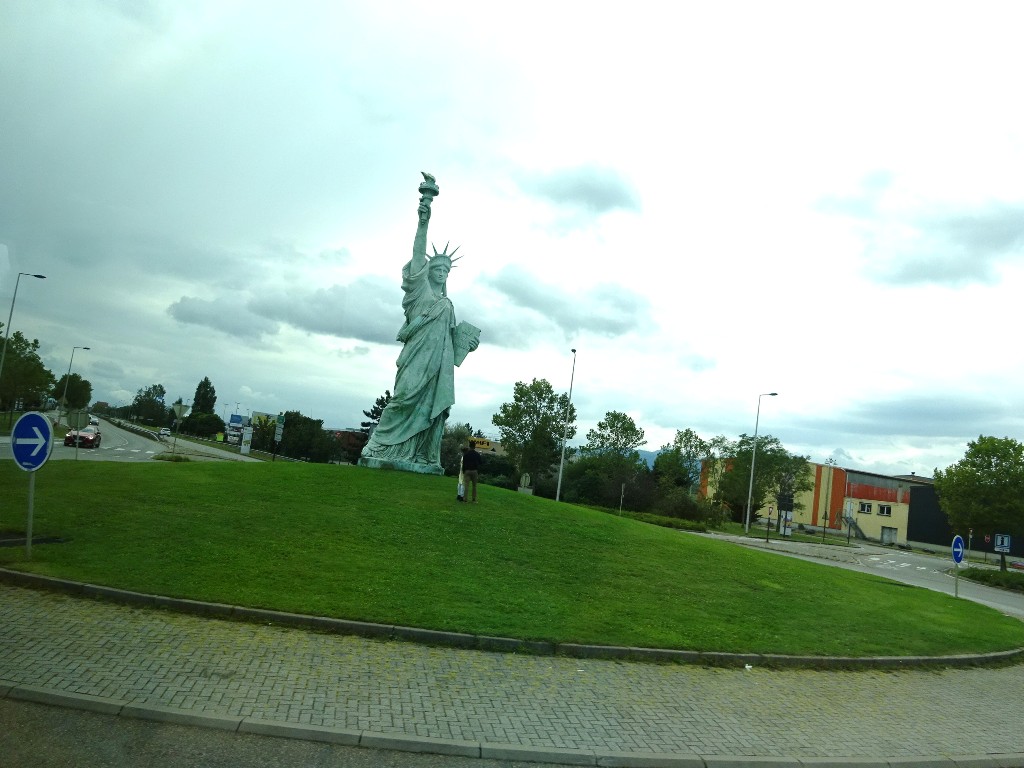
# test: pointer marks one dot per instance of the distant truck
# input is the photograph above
(233, 434)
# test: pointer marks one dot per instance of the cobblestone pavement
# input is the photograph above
(217, 667)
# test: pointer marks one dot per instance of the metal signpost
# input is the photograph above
(278, 434)
(180, 409)
(31, 444)
(958, 556)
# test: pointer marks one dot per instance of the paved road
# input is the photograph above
(502, 703)
(935, 572)
(119, 444)
(40, 736)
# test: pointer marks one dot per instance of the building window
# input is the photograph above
(865, 507)
(885, 510)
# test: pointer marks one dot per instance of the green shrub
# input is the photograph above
(1002, 579)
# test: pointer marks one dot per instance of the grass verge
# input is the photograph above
(394, 547)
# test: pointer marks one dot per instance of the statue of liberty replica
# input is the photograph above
(408, 436)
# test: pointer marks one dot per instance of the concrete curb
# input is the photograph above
(499, 644)
(514, 752)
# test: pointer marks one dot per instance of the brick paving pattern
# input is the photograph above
(217, 667)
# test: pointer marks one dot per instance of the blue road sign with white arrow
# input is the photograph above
(31, 441)
(958, 550)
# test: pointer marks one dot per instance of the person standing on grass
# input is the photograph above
(471, 461)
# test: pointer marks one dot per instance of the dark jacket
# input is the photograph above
(471, 460)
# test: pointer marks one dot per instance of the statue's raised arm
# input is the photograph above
(428, 191)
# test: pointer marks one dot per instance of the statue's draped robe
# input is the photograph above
(412, 424)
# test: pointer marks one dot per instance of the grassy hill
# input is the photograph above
(393, 547)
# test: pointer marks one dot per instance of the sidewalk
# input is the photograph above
(281, 681)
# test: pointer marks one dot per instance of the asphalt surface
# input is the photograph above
(129, 445)
(935, 572)
(41, 736)
(258, 679)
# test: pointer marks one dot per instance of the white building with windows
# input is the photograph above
(876, 506)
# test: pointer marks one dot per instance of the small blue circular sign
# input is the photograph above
(31, 441)
(958, 550)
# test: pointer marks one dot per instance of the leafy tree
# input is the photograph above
(374, 413)
(678, 464)
(24, 379)
(79, 392)
(202, 424)
(774, 467)
(205, 398)
(677, 473)
(349, 445)
(305, 438)
(617, 433)
(610, 469)
(985, 489)
(532, 426)
(148, 405)
(499, 471)
(608, 479)
(263, 431)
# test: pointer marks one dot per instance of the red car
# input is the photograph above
(86, 437)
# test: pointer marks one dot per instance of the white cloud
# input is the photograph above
(708, 202)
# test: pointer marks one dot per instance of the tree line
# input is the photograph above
(983, 492)
(609, 471)
(26, 384)
(303, 438)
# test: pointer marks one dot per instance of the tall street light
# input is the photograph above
(753, 457)
(565, 431)
(67, 378)
(7, 328)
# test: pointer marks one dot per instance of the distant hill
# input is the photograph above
(648, 456)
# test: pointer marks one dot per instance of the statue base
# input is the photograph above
(402, 466)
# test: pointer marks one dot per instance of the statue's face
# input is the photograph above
(439, 273)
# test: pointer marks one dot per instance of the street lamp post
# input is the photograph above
(565, 431)
(753, 458)
(67, 378)
(7, 328)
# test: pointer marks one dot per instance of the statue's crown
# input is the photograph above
(444, 255)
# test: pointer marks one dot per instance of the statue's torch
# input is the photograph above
(428, 189)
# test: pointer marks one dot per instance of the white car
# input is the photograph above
(165, 431)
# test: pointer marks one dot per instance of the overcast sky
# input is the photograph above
(708, 201)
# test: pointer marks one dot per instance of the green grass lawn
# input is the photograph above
(394, 547)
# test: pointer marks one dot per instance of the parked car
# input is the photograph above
(86, 437)
(165, 431)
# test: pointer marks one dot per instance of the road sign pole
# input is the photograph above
(958, 555)
(28, 523)
(31, 444)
